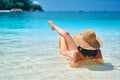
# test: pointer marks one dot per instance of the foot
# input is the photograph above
(52, 24)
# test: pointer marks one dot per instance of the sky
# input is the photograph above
(77, 5)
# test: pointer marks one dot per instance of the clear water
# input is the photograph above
(29, 50)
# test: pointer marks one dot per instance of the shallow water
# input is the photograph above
(29, 49)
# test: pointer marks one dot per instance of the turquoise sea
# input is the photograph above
(29, 49)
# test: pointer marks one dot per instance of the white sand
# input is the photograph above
(57, 68)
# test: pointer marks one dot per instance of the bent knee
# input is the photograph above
(65, 33)
(62, 38)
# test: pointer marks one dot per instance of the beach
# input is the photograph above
(30, 49)
(4, 10)
(57, 68)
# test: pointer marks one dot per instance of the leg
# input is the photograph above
(64, 48)
(63, 45)
(70, 42)
(74, 54)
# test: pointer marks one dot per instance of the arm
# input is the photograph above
(77, 60)
(99, 57)
(74, 64)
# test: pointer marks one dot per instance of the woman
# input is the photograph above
(84, 46)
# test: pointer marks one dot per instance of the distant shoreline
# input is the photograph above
(79, 11)
(4, 10)
(20, 11)
(55, 11)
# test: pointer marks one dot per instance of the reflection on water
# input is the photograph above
(27, 42)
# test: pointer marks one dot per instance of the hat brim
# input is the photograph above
(80, 42)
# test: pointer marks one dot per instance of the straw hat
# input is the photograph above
(88, 40)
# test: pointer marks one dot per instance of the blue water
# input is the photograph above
(27, 29)
(27, 36)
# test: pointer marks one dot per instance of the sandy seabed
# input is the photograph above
(57, 68)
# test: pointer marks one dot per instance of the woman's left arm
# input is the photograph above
(99, 57)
